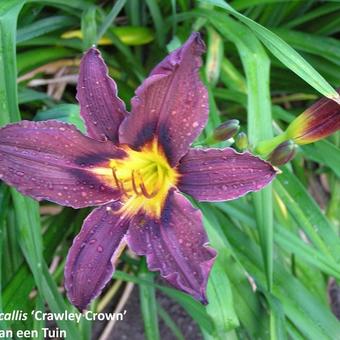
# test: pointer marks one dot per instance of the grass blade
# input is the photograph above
(286, 54)
(109, 19)
(147, 295)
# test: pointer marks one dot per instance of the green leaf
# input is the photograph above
(305, 252)
(219, 293)
(286, 54)
(158, 20)
(147, 295)
(9, 12)
(27, 95)
(324, 152)
(325, 47)
(40, 56)
(313, 14)
(89, 27)
(308, 214)
(4, 200)
(109, 19)
(68, 113)
(304, 310)
(43, 26)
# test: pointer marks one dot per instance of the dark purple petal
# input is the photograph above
(54, 161)
(91, 259)
(100, 106)
(176, 245)
(172, 104)
(222, 174)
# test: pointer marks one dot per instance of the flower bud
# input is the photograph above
(241, 141)
(214, 56)
(317, 122)
(283, 153)
(226, 130)
(223, 132)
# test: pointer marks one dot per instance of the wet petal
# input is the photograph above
(222, 174)
(317, 122)
(176, 245)
(100, 106)
(171, 104)
(90, 261)
(54, 161)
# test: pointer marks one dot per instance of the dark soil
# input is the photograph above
(131, 328)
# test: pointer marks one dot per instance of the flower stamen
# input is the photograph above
(144, 178)
(143, 191)
(123, 190)
(119, 184)
(134, 185)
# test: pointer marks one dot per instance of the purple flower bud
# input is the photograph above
(226, 130)
(283, 153)
(317, 122)
(241, 141)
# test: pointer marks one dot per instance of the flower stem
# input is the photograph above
(263, 148)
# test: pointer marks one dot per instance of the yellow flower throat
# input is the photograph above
(144, 178)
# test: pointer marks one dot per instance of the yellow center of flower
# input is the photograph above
(144, 178)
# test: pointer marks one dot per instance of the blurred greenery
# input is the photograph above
(266, 62)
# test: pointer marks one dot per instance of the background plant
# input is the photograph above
(266, 62)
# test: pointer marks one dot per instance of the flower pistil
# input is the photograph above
(144, 178)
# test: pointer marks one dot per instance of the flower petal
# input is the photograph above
(90, 261)
(100, 106)
(176, 245)
(54, 161)
(222, 174)
(172, 104)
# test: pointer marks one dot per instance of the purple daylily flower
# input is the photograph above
(133, 166)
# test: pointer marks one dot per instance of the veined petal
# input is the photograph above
(100, 106)
(171, 104)
(54, 161)
(222, 174)
(90, 261)
(317, 122)
(176, 245)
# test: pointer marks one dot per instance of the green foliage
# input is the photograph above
(266, 60)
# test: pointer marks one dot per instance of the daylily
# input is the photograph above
(133, 166)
